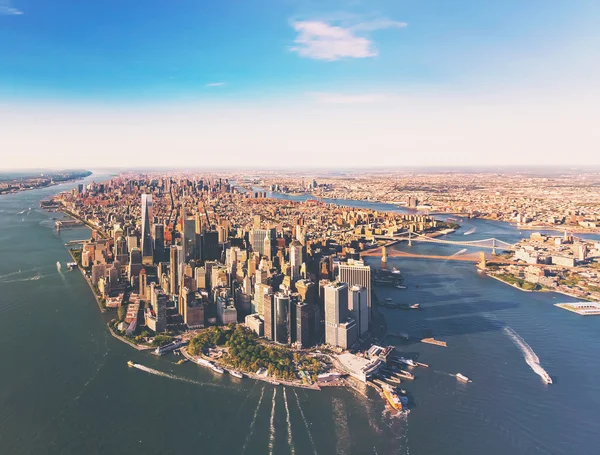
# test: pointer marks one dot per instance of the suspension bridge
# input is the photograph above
(490, 244)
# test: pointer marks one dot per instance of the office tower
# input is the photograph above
(200, 275)
(302, 321)
(173, 269)
(143, 283)
(156, 313)
(257, 240)
(187, 295)
(256, 221)
(347, 333)
(121, 251)
(147, 252)
(208, 265)
(159, 242)
(226, 312)
(211, 251)
(336, 310)
(295, 259)
(135, 262)
(307, 290)
(189, 238)
(194, 313)
(282, 318)
(260, 290)
(132, 242)
(356, 273)
(357, 300)
(267, 250)
(269, 315)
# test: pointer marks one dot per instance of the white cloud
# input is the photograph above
(215, 84)
(9, 11)
(340, 98)
(321, 40)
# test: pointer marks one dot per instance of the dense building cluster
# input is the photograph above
(191, 252)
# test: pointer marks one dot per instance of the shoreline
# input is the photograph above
(20, 190)
(254, 376)
(102, 310)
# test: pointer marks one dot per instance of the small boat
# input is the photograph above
(546, 377)
(462, 377)
(275, 383)
(130, 363)
(400, 287)
(236, 374)
(414, 306)
(217, 369)
(388, 299)
(395, 271)
(408, 362)
(71, 265)
(58, 266)
(392, 398)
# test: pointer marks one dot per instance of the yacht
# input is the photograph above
(217, 369)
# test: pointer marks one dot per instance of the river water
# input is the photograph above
(65, 387)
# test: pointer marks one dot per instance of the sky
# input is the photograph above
(299, 83)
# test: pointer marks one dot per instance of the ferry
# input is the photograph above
(130, 363)
(392, 398)
(217, 369)
(462, 377)
(236, 374)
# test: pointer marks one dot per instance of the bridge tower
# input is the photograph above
(409, 238)
(383, 254)
(494, 247)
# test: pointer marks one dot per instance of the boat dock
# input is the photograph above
(434, 341)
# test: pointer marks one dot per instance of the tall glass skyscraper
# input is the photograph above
(147, 247)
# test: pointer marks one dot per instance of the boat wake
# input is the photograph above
(312, 442)
(464, 250)
(172, 376)
(272, 425)
(289, 424)
(470, 231)
(341, 420)
(530, 357)
(262, 393)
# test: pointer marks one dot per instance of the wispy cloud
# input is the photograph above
(6, 9)
(215, 84)
(321, 40)
(342, 98)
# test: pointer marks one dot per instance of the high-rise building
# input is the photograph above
(282, 318)
(336, 310)
(356, 273)
(357, 300)
(211, 250)
(257, 240)
(189, 237)
(295, 259)
(159, 242)
(269, 316)
(302, 332)
(147, 250)
(174, 270)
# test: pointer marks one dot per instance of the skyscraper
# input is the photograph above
(147, 250)
(159, 242)
(282, 318)
(295, 259)
(357, 300)
(336, 310)
(257, 240)
(356, 273)
(173, 270)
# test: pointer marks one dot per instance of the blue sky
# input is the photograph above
(287, 59)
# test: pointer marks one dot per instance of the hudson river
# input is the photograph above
(65, 387)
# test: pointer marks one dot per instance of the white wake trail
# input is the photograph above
(464, 250)
(262, 393)
(530, 357)
(470, 231)
(172, 376)
(312, 442)
(272, 425)
(289, 423)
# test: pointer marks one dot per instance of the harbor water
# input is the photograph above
(65, 387)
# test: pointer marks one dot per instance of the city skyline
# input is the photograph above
(328, 83)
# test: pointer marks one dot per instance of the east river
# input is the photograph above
(65, 387)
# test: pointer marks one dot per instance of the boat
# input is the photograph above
(169, 347)
(434, 341)
(546, 378)
(409, 362)
(400, 287)
(462, 377)
(217, 369)
(58, 266)
(236, 374)
(71, 265)
(392, 397)
(275, 383)
(414, 306)
(130, 363)
(395, 271)
(388, 299)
